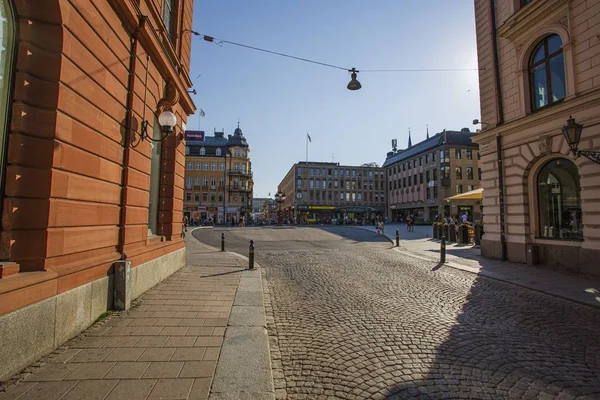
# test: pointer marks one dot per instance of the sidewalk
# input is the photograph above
(181, 338)
(418, 244)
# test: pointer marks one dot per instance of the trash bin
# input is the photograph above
(464, 234)
(532, 254)
(477, 235)
(452, 233)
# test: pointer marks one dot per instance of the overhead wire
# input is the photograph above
(220, 42)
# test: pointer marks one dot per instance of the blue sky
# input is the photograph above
(278, 99)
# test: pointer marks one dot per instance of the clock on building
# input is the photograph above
(299, 195)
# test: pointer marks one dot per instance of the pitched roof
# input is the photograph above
(452, 137)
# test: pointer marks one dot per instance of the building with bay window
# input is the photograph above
(85, 85)
(218, 178)
(333, 193)
(539, 73)
(421, 177)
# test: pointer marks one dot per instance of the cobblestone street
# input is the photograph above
(360, 320)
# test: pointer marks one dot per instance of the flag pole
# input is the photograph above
(306, 146)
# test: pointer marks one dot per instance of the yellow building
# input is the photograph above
(218, 178)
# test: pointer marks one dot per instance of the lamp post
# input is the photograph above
(572, 132)
(279, 198)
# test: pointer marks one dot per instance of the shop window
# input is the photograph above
(154, 179)
(559, 201)
(547, 73)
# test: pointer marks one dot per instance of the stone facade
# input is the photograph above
(519, 138)
(219, 180)
(81, 190)
(422, 176)
(322, 191)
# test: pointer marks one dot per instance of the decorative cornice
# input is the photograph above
(529, 17)
(532, 120)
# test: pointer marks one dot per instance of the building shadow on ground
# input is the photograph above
(506, 342)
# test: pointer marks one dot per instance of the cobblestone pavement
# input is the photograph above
(360, 321)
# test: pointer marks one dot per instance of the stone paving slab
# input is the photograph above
(582, 289)
(166, 347)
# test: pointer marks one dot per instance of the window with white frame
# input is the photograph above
(188, 182)
(202, 151)
(219, 152)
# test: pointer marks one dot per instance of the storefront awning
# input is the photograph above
(476, 194)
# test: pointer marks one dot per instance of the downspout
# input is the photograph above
(500, 115)
(126, 143)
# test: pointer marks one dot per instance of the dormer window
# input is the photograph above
(218, 152)
(202, 151)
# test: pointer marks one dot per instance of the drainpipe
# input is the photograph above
(500, 115)
(126, 143)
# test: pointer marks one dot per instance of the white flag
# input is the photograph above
(202, 114)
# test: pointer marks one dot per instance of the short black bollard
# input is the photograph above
(222, 242)
(397, 238)
(443, 250)
(251, 255)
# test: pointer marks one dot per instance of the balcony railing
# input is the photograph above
(241, 173)
(239, 188)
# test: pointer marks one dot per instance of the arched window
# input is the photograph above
(202, 151)
(218, 152)
(547, 72)
(559, 201)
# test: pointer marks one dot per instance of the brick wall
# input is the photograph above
(65, 160)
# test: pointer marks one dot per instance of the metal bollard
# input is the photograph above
(397, 238)
(251, 255)
(443, 250)
(222, 242)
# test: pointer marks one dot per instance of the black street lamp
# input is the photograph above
(572, 132)
(279, 198)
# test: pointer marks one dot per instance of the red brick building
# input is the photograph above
(80, 189)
